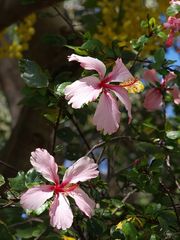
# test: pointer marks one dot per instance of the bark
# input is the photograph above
(13, 10)
(30, 129)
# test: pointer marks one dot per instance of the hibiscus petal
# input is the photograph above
(82, 200)
(122, 95)
(44, 163)
(170, 76)
(90, 63)
(34, 197)
(82, 91)
(120, 73)
(107, 115)
(153, 99)
(176, 94)
(151, 76)
(60, 213)
(82, 170)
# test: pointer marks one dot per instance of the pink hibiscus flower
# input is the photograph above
(60, 212)
(154, 97)
(174, 2)
(173, 24)
(88, 89)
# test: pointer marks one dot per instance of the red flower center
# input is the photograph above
(64, 187)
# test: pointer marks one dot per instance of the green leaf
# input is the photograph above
(32, 178)
(4, 232)
(39, 210)
(59, 89)
(159, 56)
(66, 134)
(144, 24)
(150, 126)
(18, 183)
(92, 45)
(129, 230)
(78, 50)
(117, 233)
(2, 180)
(32, 231)
(152, 22)
(162, 35)
(96, 226)
(32, 74)
(154, 237)
(173, 134)
(54, 39)
(173, 10)
(72, 151)
(153, 209)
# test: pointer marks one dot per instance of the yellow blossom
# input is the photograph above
(15, 39)
(68, 238)
(121, 20)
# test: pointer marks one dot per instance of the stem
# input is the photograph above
(172, 202)
(128, 195)
(100, 155)
(135, 60)
(9, 166)
(55, 132)
(26, 221)
(164, 113)
(79, 231)
(70, 116)
(114, 139)
(66, 19)
(170, 169)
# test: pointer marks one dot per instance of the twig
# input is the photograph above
(128, 195)
(167, 160)
(172, 202)
(70, 116)
(66, 19)
(100, 155)
(55, 132)
(135, 60)
(9, 166)
(7, 204)
(100, 144)
(26, 221)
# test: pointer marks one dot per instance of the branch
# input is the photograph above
(128, 195)
(55, 132)
(114, 139)
(70, 116)
(172, 202)
(12, 11)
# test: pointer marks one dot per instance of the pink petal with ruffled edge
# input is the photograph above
(44, 163)
(169, 77)
(122, 95)
(60, 213)
(176, 94)
(83, 169)
(107, 115)
(90, 63)
(34, 197)
(82, 91)
(174, 2)
(120, 73)
(151, 76)
(153, 99)
(83, 201)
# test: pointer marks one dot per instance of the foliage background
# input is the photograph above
(137, 194)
